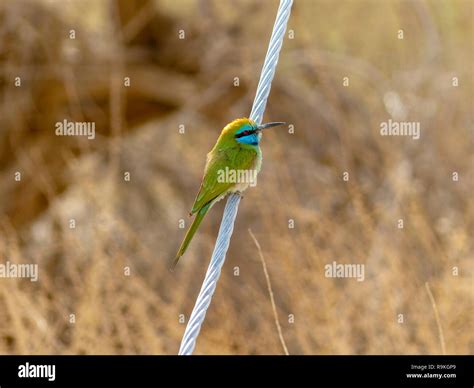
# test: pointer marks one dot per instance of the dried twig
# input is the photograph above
(438, 321)
(272, 299)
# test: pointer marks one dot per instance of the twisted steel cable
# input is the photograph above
(230, 212)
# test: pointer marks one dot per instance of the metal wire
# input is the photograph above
(230, 212)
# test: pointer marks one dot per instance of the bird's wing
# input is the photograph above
(211, 188)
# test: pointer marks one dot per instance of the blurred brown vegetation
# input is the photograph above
(190, 82)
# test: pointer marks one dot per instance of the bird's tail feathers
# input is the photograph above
(190, 234)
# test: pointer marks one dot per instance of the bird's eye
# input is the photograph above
(244, 133)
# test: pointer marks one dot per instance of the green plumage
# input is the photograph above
(237, 148)
(236, 157)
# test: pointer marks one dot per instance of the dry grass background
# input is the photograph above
(190, 82)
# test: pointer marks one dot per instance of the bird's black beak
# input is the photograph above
(269, 125)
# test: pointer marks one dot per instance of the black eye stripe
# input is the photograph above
(245, 133)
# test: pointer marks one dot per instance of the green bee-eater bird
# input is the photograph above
(235, 155)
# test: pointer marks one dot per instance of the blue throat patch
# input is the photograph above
(250, 139)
